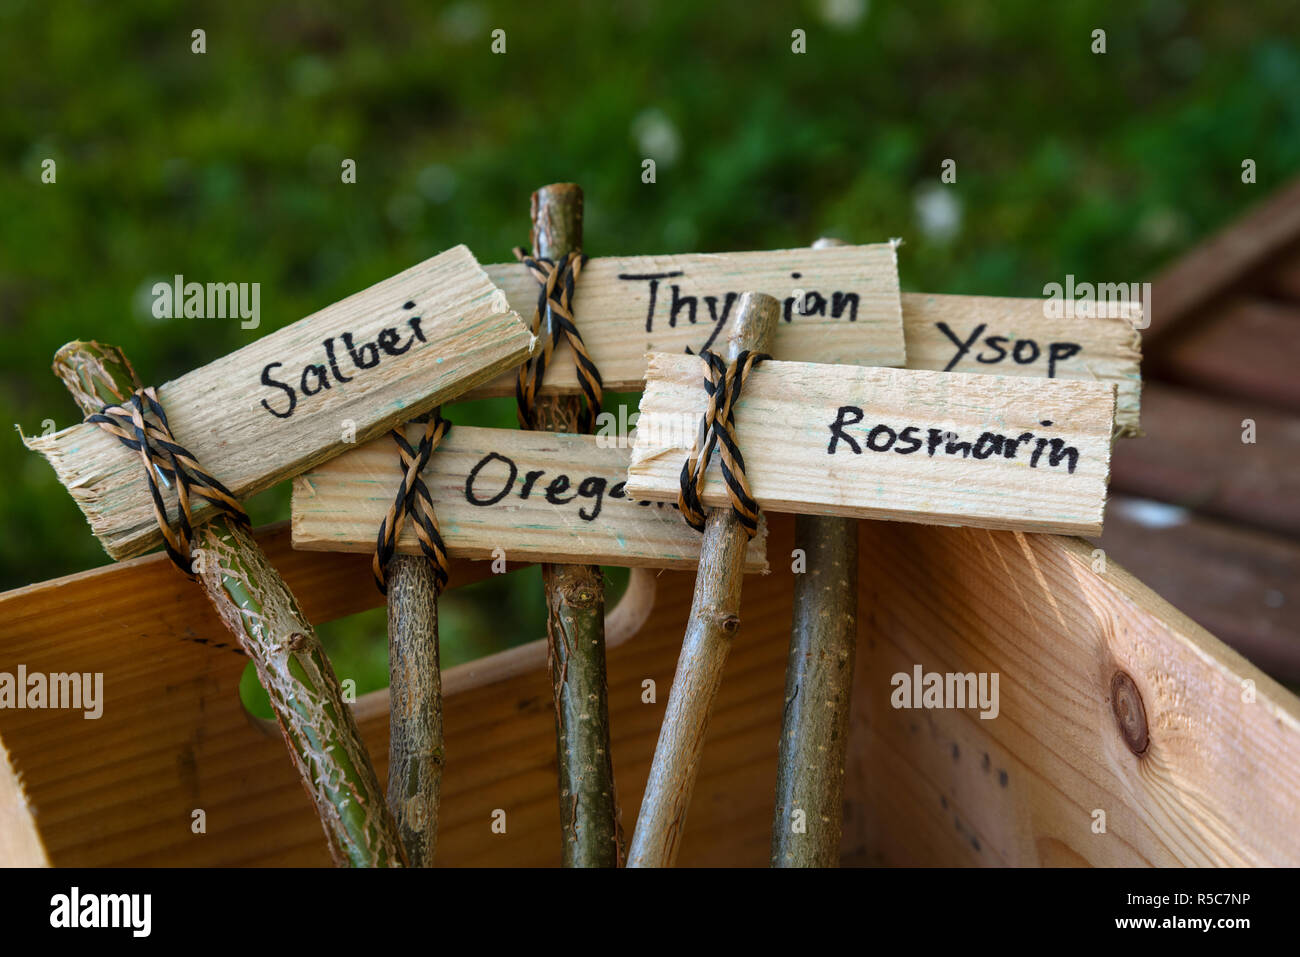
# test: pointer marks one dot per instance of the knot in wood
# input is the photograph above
(580, 595)
(297, 641)
(1126, 702)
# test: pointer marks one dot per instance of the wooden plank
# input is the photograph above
(1247, 347)
(987, 334)
(821, 439)
(20, 837)
(540, 496)
(1282, 278)
(852, 300)
(1230, 256)
(1241, 584)
(1217, 784)
(421, 337)
(1193, 455)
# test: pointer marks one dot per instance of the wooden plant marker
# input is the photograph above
(714, 621)
(256, 606)
(388, 333)
(627, 306)
(542, 496)
(894, 444)
(993, 335)
(298, 396)
(591, 832)
(943, 333)
(798, 415)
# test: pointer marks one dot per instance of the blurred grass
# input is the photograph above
(225, 166)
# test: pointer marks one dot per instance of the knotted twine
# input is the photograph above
(141, 425)
(555, 302)
(413, 500)
(717, 428)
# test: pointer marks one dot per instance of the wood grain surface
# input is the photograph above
(567, 513)
(785, 421)
(1217, 785)
(425, 336)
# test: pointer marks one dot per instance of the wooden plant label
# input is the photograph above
(297, 396)
(626, 306)
(536, 496)
(915, 446)
(1018, 337)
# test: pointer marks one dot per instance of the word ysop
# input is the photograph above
(357, 357)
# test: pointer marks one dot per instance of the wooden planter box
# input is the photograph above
(1219, 782)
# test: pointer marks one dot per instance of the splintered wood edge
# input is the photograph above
(105, 480)
(671, 394)
(1110, 345)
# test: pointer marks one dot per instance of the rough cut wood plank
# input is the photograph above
(786, 421)
(1247, 347)
(985, 334)
(1217, 785)
(424, 336)
(1241, 584)
(540, 496)
(1232, 255)
(1193, 455)
(619, 325)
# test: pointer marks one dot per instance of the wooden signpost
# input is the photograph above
(987, 334)
(421, 336)
(894, 444)
(627, 306)
(539, 496)
(295, 397)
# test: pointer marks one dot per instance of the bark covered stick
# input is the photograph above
(256, 605)
(415, 749)
(575, 616)
(713, 625)
(818, 690)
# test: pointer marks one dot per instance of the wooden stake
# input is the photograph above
(818, 690)
(575, 617)
(255, 604)
(714, 622)
(415, 752)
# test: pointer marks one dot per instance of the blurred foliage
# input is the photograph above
(226, 166)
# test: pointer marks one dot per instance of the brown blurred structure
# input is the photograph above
(1209, 521)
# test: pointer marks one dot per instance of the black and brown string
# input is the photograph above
(413, 501)
(723, 383)
(141, 425)
(552, 319)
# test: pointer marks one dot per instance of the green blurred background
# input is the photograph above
(225, 166)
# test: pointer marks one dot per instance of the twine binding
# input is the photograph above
(555, 302)
(723, 383)
(413, 500)
(141, 425)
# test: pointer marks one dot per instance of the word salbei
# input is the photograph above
(316, 377)
(905, 441)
